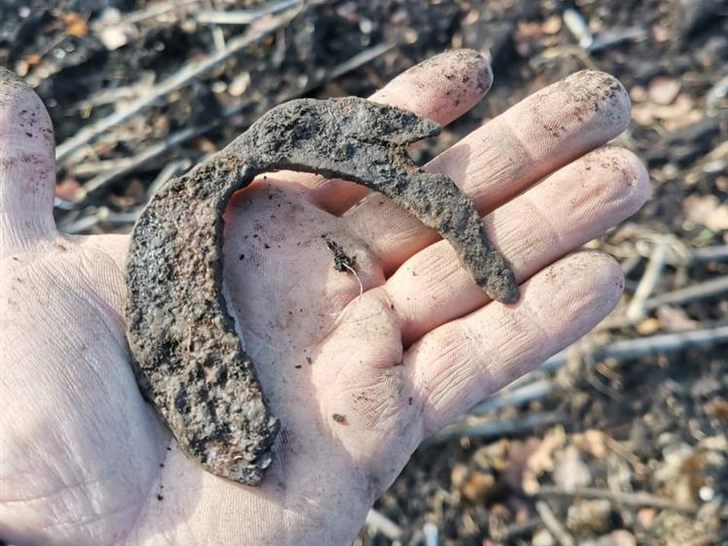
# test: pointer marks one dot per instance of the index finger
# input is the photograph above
(442, 88)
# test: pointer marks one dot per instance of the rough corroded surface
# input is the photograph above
(188, 359)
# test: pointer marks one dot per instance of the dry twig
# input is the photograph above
(709, 254)
(528, 389)
(431, 534)
(635, 348)
(244, 16)
(554, 525)
(706, 289)
(157, 9)
(382, 524)
(636, 310)
(517, 530)
(494, 429)
(637, 500)
(536, 390)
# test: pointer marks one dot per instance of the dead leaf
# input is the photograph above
(75, 24)
(706, 210)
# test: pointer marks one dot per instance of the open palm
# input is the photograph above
(360, 367)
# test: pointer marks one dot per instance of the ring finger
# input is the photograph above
(569, 208)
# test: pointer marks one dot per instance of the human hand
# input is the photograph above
(358, 374)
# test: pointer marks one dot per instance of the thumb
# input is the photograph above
(27, 166)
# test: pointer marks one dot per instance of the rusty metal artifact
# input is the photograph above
(188, 359)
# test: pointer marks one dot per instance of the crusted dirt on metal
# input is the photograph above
(188, 358)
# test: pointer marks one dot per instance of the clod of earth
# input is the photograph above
(188, 359)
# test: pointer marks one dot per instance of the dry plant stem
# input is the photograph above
(380, 523)
(625, 349)
(635, 348)
(536, 390)
(501, 427)
(92, 168)
(636, 310)
(707, 289)
(431, 534)
(243, 16)
(713, 253)
(142, 159)
(554, 525)
(517, 530)
(527, 389)
(188, 357)
(157, 9)
(636, 500)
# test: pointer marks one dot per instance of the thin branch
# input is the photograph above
(636, 309)
(382, 524)
(431, 534)
(709, 254)
(96, 168)
(517, 530)
(707, 289)
(144, 158)
(536, 390)
(243, 16)
(184, 76)
(495, 429)
(157, 9)
(554, 525)
(79, 225)
(609, 39)
(658, 344)
(528, 389)
(356, 61)
(635, 348)
(637, 500)
(218, 36)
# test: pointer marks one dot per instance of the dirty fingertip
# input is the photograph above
(606, 95)
(24, 120)
(441, 88)
(589, 280)
(27, 159)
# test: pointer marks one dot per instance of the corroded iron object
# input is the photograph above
(188, 359)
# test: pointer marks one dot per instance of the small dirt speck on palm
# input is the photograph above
(342, 261)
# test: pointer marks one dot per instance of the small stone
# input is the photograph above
(552, 25)
(543, 538)
(478, 486)
(590, 516)
(571, 472)
(663, 90)
(646, 518)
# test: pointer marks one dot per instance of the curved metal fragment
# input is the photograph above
(188, 359)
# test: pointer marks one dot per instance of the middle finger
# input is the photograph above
(504, 157)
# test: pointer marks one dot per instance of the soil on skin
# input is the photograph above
(653, 422)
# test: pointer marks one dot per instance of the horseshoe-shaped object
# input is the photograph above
(188, 359)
